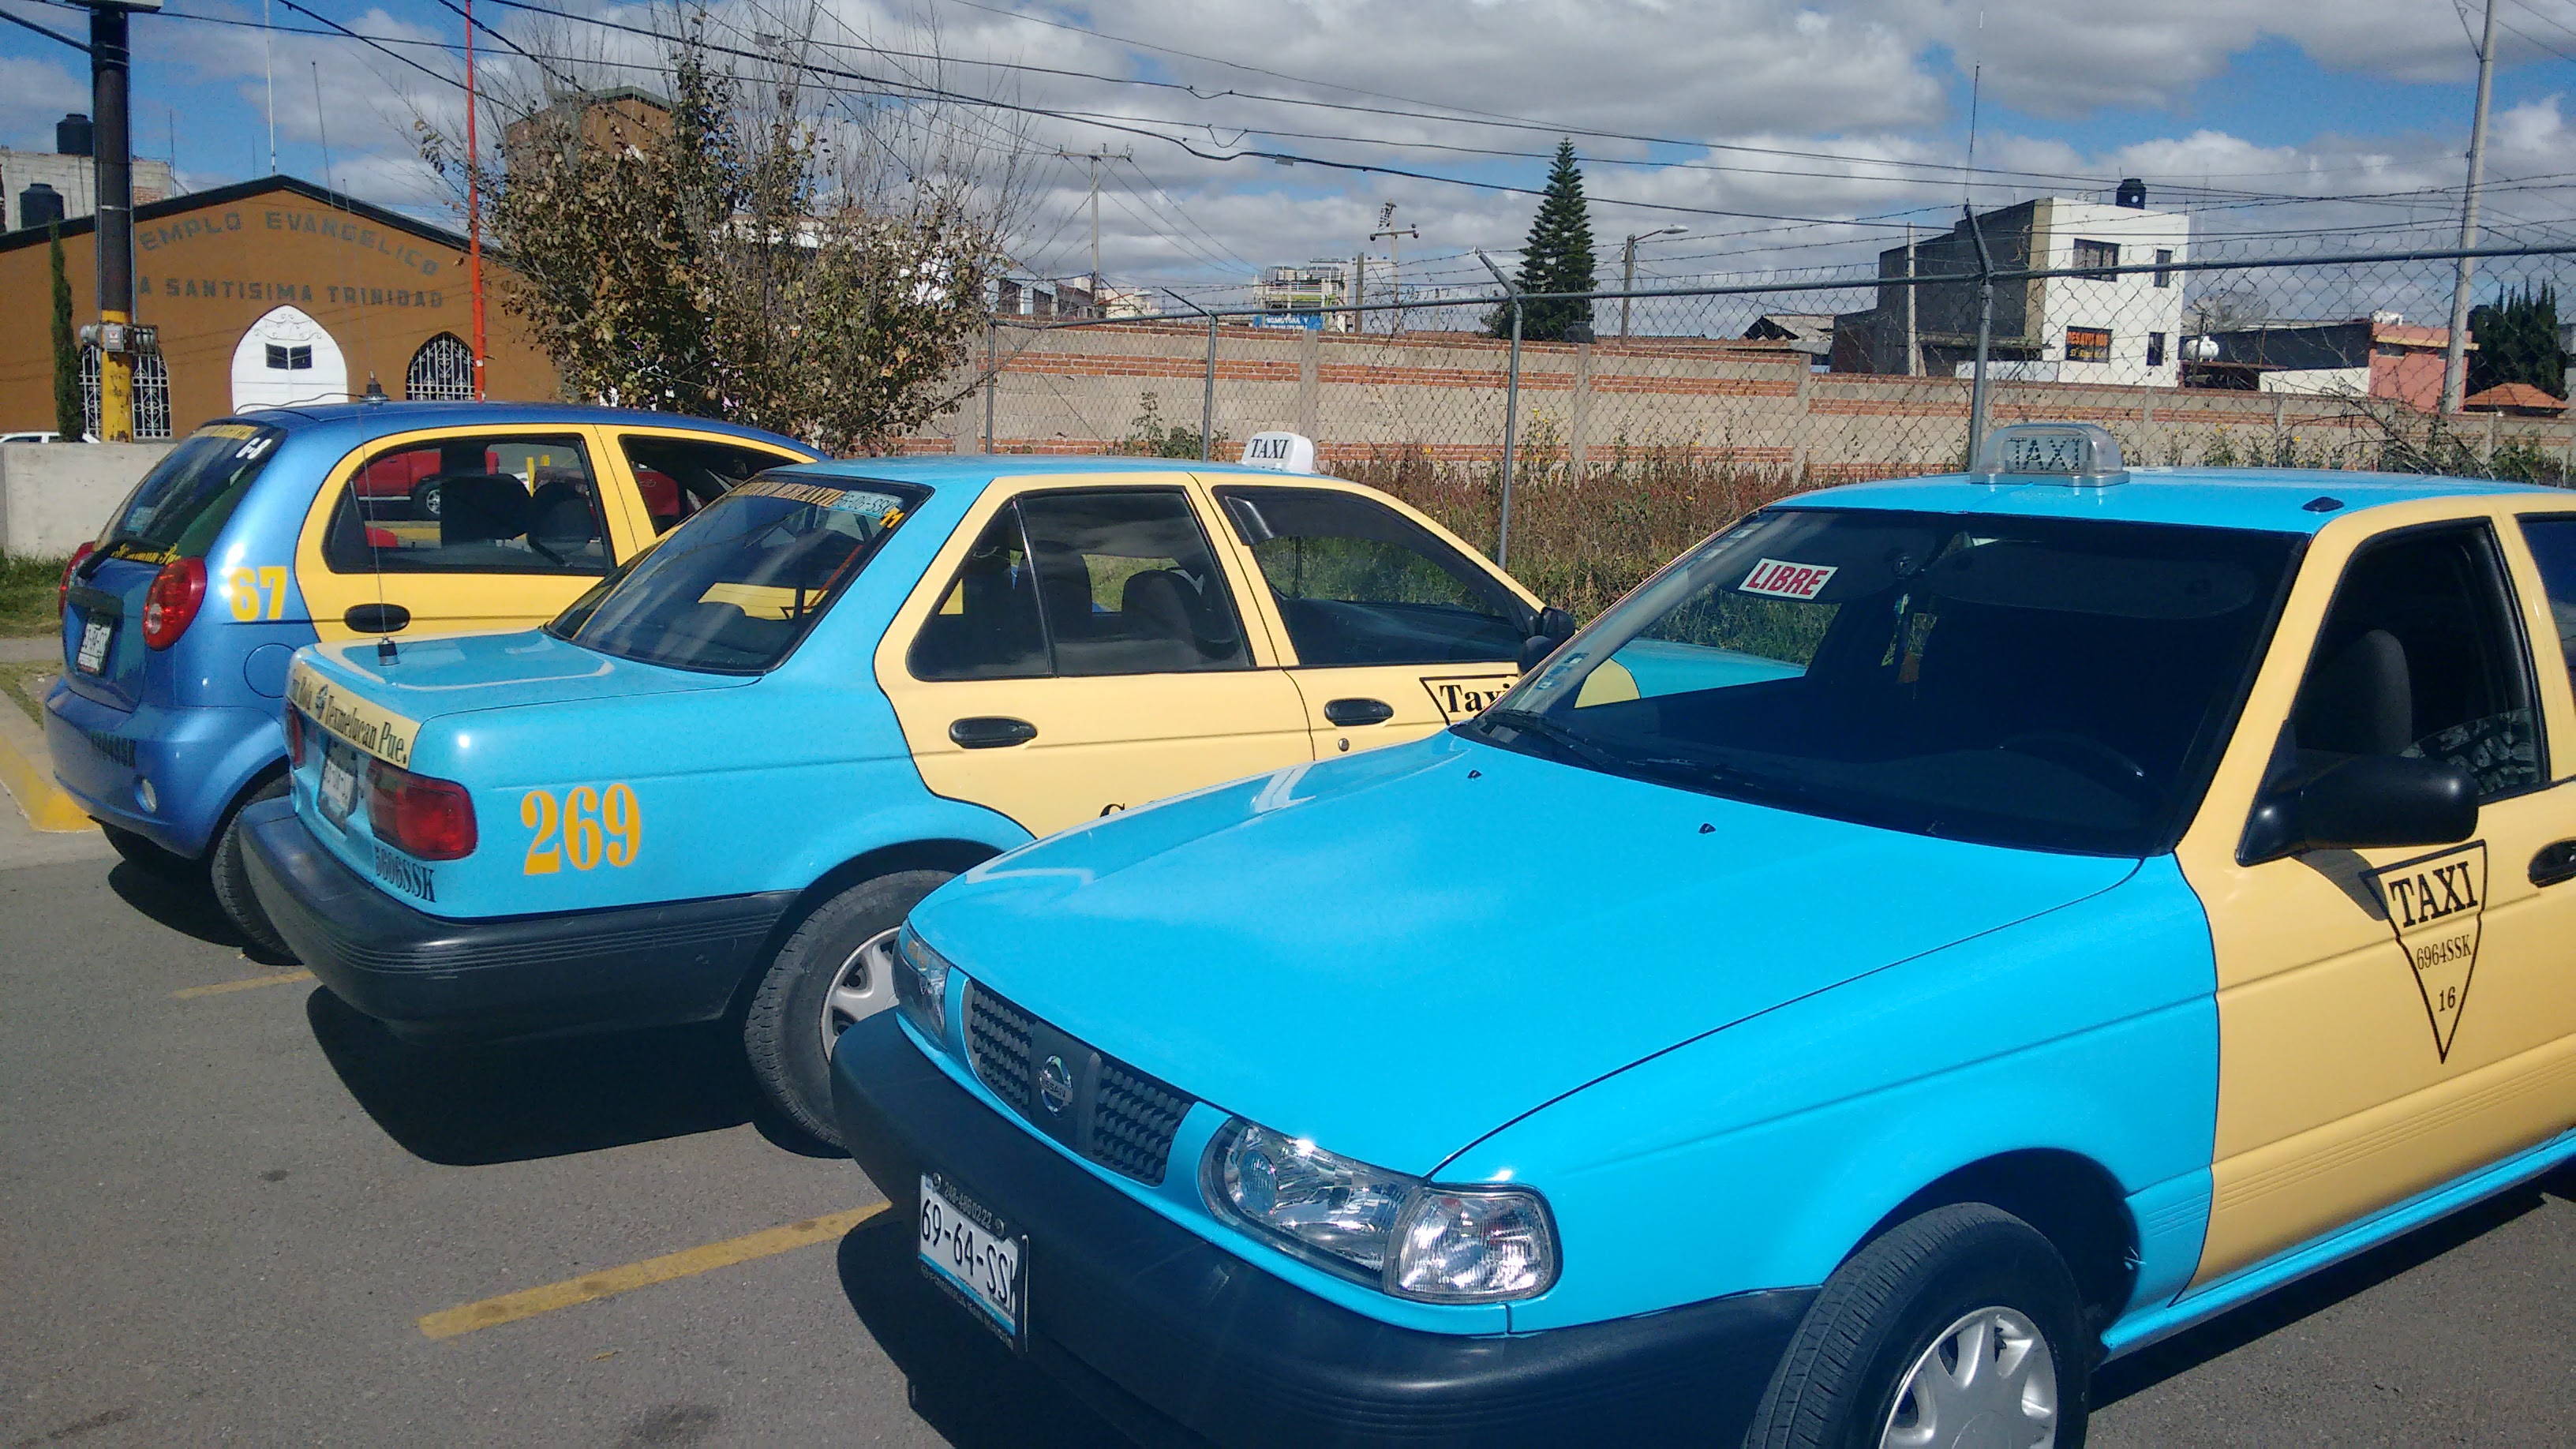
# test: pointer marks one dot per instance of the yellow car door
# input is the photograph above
(2390, 1019)
(1393, 628)
(464, 529)
(1076, 649)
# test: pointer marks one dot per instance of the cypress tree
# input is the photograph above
(2517, 338)
(70, 418)
(1558, 257)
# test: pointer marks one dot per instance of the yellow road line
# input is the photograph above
(247, 983)
(609, 1282)
(28, 774)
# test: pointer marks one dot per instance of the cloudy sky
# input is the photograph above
(1777, 135)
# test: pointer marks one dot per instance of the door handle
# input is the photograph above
(1350, 712)
(2554, 863)
(991, 732)
(377, 618)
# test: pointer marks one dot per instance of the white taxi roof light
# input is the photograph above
(2080, 455)
(1280, 452)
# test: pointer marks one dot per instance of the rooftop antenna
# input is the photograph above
(385, 652)
(1976, 84)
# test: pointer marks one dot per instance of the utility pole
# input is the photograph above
(1392, 235)
(1095, 157)
(1628, 270)
(112, 160)
(473, 200)
(1913, 338)
(2455, 355)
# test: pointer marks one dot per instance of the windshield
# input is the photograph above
(732, 590)
(181, 505)
(2045, 683)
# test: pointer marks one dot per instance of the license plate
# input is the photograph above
(340, 772)
(96, 635)
(967, 1249)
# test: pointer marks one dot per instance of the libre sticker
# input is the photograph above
(1786, 580)
(2434, 905)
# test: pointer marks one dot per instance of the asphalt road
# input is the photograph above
(224, 1217)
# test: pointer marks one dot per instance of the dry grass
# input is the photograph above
(27, 595)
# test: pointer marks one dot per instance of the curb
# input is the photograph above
(28, 773)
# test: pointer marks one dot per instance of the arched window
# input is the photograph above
(442, 371)
(151, 393)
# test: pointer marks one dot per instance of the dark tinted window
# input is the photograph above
(1359, 583)
(986, 625)
(2419, 655)
(679, 476)
(2553, 546)
(506, 504)
(2053, 684)
(734, 589)
(179, 507)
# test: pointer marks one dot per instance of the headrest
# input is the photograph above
(481, 508)
(559, 518)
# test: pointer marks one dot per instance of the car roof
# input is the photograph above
(934, 469)
(363, 420)
(2272, 500)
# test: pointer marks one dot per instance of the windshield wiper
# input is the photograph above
(1531, 722)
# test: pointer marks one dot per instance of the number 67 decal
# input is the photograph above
(588, 824)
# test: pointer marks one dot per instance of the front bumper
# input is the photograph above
(1160, 1328)
(513, 976)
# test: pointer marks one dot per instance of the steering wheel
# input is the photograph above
(2086, 756)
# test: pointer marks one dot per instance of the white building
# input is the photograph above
(2103, 326)
(68, 172)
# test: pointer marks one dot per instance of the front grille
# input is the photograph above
(1119, 1117)
(115, 747)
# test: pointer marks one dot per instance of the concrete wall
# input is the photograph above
(54, 497)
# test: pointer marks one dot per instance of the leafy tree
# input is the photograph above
(70, 416)
(1557, 258)
(2517, 338)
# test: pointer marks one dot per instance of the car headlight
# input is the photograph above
(921, 985)
(1394, 1232)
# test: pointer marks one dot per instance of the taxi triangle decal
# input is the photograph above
(2435, 904)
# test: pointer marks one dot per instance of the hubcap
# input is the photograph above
(862, 987)
(1987, 1382)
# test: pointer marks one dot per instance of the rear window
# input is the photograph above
(181, 505)
(732, 590)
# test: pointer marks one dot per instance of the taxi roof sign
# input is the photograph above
(1280, 452)
(2082, 455)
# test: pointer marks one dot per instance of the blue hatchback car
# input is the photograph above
(262, 533)
(1932, 936)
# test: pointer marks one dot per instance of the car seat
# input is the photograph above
(560, 523)
(481, 508)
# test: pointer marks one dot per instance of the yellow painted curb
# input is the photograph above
(29, 775)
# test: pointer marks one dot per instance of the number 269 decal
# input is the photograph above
(587, 825)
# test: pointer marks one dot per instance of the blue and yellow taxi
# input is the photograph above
(715, 783)
(1931, 937)
(262, 533)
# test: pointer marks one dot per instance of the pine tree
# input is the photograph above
(1558, 257)
(69, 415)
(2517, 339)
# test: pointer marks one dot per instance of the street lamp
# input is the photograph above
(1628, 269)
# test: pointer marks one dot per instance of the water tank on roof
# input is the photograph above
(2132, 194)
(72, 135)
(39, 204)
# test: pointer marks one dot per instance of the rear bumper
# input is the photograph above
(428, 976)
(1161, 1329)
(197, 759)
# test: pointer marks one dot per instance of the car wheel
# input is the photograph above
(143, 853)
(231, 877)
(424, 500)
(1958, 1327)
(834, 971)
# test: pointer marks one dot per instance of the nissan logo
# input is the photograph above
(1055, 1084)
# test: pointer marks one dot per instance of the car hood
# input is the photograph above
(451, 675)
(1397, 953)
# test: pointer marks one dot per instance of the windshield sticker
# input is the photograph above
(369, 726)
(1462, 695)
(845, 500)
(1779, 580)
(2434, 905)
(228, 430)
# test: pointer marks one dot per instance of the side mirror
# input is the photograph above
(2370, 800)
(1552, 627)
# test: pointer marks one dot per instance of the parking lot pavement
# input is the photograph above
(231, 1210)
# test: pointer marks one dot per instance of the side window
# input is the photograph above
(679, 476)
(2420, 656)
(1359, 583)
(2552, 537)
(1128, 585)
(986, 625)
(489, 505)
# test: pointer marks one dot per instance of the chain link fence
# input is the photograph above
(1622, 427)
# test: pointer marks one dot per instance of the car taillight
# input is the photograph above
(419, 816)
(171, 605)
(295, 736)
(63, 591)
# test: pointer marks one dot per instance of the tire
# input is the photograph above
(231, 877)
(783, 1032)
(1906, 1302)
(141, 852)
(424, 502)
